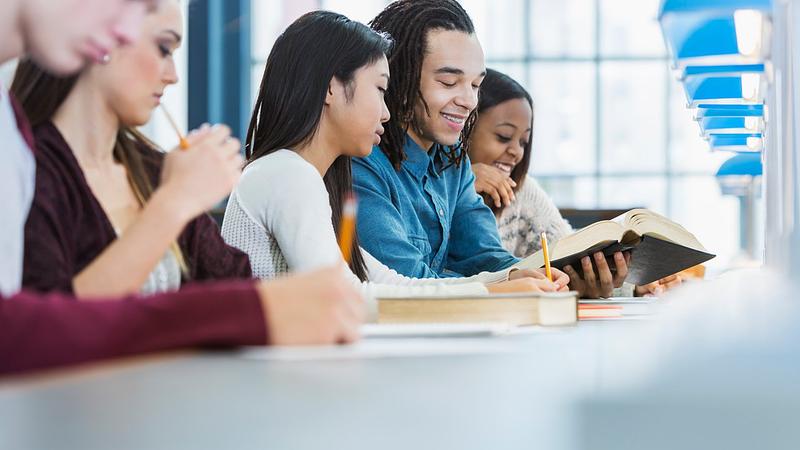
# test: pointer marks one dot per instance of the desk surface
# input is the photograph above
(220, 400)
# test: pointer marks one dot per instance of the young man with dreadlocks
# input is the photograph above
(419, 212)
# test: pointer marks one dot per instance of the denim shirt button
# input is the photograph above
(441, 212)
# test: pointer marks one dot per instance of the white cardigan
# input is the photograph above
(280, 215)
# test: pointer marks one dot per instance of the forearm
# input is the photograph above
(124, 266)
(46, 331)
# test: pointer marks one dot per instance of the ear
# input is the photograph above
(333, 91)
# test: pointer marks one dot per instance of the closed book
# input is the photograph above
(615, 308)
(659, 247)
(558, 308)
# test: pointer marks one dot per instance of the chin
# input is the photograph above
(62, 63)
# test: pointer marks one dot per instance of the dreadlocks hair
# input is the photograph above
(408, 22)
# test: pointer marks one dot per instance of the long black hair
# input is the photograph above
(497, 88)
(408, 22)
(316, 48)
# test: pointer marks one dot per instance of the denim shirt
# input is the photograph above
(425, 220)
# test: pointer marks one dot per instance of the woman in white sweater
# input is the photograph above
(285, 212)
(500, 153)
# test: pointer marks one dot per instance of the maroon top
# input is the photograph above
(67, 228)
(38, 330)
(36, 334)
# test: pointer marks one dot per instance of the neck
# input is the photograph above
(426, 144)
(88, 125)
(11, 42)
(320, 151)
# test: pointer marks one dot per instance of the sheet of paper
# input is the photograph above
(433, 330)
(381, 348)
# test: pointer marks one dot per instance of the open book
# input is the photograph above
(558, 308)
(659, 247)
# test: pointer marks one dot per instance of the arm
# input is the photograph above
(208, 256)
(474, 242)
(192, 181)
(381, 228)
(45, 331)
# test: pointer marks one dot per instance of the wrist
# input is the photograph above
(169, 208)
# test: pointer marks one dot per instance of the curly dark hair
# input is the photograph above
(408, 22)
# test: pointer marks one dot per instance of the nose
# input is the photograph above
(468, 97)
(516, 150)
(127, 27)
(385, 115)
(170, 72)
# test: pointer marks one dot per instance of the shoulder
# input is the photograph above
(373, 168)
(376, 160)
(280, 176)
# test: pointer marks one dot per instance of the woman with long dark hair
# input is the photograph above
(108, 204)
(320, 103)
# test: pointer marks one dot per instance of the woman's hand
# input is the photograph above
(560, 279)
(599, 283)
(657, 288)
(321, 307)
(494, 182)
(196, 179)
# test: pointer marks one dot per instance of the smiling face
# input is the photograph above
(134, 80)
(451, 74)
(356, 111)
(64, 35)
(501, 134)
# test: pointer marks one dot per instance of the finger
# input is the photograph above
(628, 257)
(510, 188)
(588, 272)
(504, 190)
(546, 285)
(669, 279)
(560, 278)
(492, 191)
(622, 269)
(604, 273)
(349, 330)
(672, 284)
(574, 279)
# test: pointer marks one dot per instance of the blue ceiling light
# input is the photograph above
(740, 174)
(705, 32)
(705, 110)
(728, 84)
(741, 143)
(730, 125)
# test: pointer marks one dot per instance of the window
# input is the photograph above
(612, 129)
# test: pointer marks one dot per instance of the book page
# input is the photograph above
(646, 222)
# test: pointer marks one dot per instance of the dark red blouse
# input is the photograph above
(38, 331)
(67, 228)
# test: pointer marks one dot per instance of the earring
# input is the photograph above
(105, 59)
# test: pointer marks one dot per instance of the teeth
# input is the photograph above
(503, 167)
(453, 119)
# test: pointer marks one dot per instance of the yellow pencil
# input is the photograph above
(348, 226)
(546, 255)
(183, 144)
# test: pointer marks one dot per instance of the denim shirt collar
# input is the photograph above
(418, 161)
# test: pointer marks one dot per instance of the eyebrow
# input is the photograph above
(454, 71)
(509, 124)
(174, 34)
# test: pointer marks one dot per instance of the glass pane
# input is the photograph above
(517, 71)
(499, 26)
(360, 10)
(270, 18)
(563, 28)
(634, 192)
(571, 192)
(633, 122)
(698, 205)
(688, 151)
(564, 126)
(630, 28)
(257, 73)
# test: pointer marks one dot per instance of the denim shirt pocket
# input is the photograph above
(421, 243)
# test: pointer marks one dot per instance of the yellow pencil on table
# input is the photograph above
(546, 255)
(347, 226)
(183, 143)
